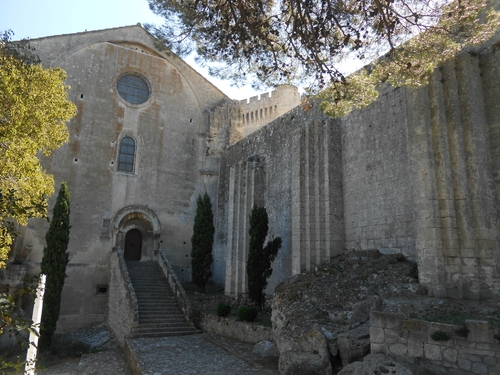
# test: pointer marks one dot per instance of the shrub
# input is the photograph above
(223, 309)
(440, 336)
(414, 271)
(247, 313)
(463, 331)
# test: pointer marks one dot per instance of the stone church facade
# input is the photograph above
(417, 172)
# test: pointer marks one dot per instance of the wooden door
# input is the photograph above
(133, 245)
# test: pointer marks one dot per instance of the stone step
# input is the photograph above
(153, 303)
(151, 327)
(159, 300)
(165, 312)
(154, 290)
(159, 311)
(164, 334)
(155, 319)
(152, 287)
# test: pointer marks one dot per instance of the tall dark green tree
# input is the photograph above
(260, 258)
(202, 241)
(54, 261)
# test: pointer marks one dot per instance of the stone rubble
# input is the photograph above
(321, 318)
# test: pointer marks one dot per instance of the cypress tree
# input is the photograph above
(54, 261)
(260, 258)
(202, 241)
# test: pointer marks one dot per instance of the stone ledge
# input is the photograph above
(241, 331)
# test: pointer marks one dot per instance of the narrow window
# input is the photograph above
(127, 153)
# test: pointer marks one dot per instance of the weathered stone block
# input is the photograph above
(490, 360)
(391, 336)
(450, 355)
(384, 320)
(432, 352)
(479, 331)
(398, 349)
(464, 364)
(415, 348)
(479, 368)
(379, 348)
(377, 335)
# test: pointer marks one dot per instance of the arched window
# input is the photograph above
(126, 156)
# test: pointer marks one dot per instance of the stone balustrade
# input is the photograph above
(175, 285)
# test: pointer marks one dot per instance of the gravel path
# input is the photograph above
(183, 355)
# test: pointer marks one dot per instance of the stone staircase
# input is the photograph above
(159, 312)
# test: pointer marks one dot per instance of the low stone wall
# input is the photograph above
(240, 331)
(123, 311)
(410, 342)
(175, 285)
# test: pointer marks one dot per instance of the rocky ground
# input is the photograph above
(321, 318)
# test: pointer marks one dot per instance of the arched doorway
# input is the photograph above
(133, 245)
(142, 219)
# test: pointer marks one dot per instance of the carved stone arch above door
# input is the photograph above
(142, 221)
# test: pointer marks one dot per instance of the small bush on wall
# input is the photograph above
(223, 309)
(248, 313)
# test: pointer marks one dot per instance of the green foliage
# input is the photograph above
(247, 313)
(304, 42)
(13, 323)
(454, 317)
(33, 112)
(202, 241)
(223, 309)
(260, 258)
(414, 271)
(54, 261)
(463, 331)
(440, 336)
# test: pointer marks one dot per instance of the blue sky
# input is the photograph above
(38, 18)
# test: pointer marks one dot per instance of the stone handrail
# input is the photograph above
(123, 309)
(128, 282)
(175, 285)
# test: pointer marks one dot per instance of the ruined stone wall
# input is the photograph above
(472, 349)
(292, 167)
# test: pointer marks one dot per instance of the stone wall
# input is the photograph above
(123, 311)
(378, 191)
(292, 167)
(410, 342)
(170, 167)
(262, 109)
(416, 172)
(452, 170)
(241, 331)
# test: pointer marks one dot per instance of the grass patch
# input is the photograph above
(453, 318)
